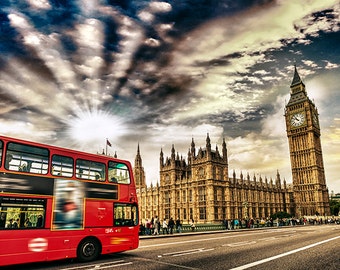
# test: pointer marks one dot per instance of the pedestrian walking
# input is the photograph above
(192, 225)
(171, 225)
(165, 227)
(156, 226)
(178, 225)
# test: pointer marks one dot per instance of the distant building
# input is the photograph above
(199, 187)
(335, 197)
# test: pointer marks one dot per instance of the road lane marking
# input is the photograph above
(209, 239)
(193, 252)
(185, 252)
(99, 265)
(238, 244)
(177, 266)
(246, 266)
(115, 265)
(244, 243)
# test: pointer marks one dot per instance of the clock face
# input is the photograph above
(298, 119)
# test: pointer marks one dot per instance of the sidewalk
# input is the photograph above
(201, 231)
(196, 232)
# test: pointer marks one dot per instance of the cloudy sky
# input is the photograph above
(157, 73)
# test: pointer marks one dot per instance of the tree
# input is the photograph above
(335, 206)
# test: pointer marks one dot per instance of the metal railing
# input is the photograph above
(187, 228)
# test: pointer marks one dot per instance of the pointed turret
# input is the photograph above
(173, 153)
(138, 159)
(248, 179)
(296, 79)
(278, 179)
(208, 146)
(193, 148)
(297, 89)
(224, 151)
(189, 157)
(161, 159)
(138, 170)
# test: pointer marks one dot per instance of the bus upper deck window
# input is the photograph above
(119, 173)
(86, 169)
(26, 158)
(62, 166)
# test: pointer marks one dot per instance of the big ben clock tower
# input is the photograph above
(303, 131)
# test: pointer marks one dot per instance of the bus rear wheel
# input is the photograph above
(88, 250)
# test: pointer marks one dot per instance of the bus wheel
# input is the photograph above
(88, 250)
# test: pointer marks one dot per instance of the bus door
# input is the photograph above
(126, 225)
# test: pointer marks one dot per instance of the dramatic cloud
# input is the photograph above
(157, 73)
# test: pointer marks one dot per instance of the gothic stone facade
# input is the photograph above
(199, 188)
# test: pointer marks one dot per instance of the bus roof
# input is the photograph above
(63, 149)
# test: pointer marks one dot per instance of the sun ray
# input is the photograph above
(94, 126)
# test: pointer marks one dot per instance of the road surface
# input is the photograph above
(300, 247)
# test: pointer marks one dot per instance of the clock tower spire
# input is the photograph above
(303, 131)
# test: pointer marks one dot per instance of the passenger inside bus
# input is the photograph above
(2, 220)
(39, 221)
(27, 223)
(13, 224)
(9, 158)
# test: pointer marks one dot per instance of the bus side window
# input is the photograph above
(9, 165)
(62, 166)
(125, 214)
(86, 169)
(1, 146)
(26, 158)
(19, 213)
(118, 173)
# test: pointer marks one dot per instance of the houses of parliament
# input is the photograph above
(200, 188)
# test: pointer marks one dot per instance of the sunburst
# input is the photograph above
(93, 126)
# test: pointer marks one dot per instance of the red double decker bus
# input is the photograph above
(59, 203)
